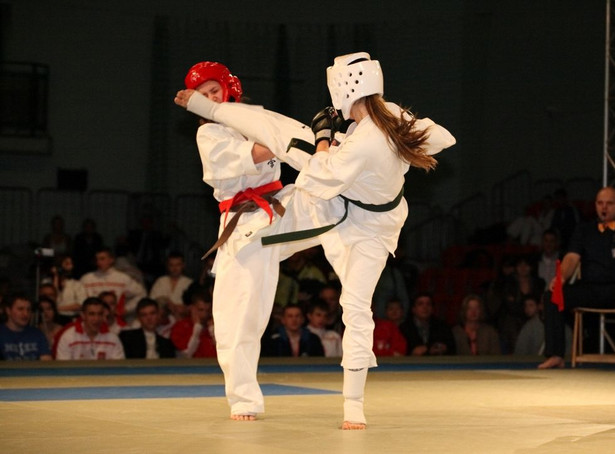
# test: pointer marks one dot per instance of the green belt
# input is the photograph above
(311, 233)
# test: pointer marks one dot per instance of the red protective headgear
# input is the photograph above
(210, 70)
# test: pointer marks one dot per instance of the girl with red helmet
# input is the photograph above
(245, 177)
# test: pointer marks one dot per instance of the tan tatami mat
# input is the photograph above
(451, 405)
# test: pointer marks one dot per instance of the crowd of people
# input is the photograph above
(91, 308)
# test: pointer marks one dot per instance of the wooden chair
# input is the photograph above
(577, 337)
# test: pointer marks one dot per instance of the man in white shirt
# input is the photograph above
(107, 278)
(317, 319)
(89, 337)
(169, 289)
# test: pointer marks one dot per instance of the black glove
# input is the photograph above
(339, 124)
(323, 125)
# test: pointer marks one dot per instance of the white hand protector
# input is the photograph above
(270, 129)
(202, 106)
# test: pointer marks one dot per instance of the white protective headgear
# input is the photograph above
(349, 80)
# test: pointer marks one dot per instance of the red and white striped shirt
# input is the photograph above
(74, 343)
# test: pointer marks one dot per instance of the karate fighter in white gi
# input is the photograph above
(245, 177)
(362, 177)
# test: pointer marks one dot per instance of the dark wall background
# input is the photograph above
(520, 84)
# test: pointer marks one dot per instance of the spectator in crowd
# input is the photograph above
(592, 250)
(88, 337)
(49, 320)
(317, 318)
(19, 340)
(193, 336)
(292, 339)
(87, 242)
(548, 256)
(473, 336)
(107, 278)
(531, 339)
(394, 312)
(71, 293)
(426, 334)
(58, 239)
(522, 282)
(388, 339)
(48, 290)
(495, 289)
(170, 288)
(115, 323)
(330, 294)
(145, 342)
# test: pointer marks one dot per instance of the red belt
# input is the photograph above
(248, 200)
(257, 195)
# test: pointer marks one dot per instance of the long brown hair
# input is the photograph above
(406, 141)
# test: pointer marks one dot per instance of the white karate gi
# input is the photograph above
(364, 167)
(246, 273)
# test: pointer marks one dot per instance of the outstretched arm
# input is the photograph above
(270, 129)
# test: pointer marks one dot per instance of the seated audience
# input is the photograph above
(424, 333)
(107, 278)
(473, 336)
(531, 339)
(145, 342)
(549, 254)
(330, 294)
(388, 339)
(292, 339)
(523, 281)
(193, 336)
(331, 340)
(49, 321)
(89, 337)
(70, 291)
(19, 340)
(171, 287)
(394, 312)
(115, 323)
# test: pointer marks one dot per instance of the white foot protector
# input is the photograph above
(353, 390)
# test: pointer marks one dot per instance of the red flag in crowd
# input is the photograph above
(557, 297)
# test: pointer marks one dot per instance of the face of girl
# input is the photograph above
(211, 89)
(47, 311)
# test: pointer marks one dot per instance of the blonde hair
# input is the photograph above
(399, 130)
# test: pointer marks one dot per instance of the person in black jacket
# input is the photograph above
(145, 342)
(292, 339)
(424, 333)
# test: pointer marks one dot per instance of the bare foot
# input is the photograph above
(554, 362)
(347, 425)
(247, 417)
